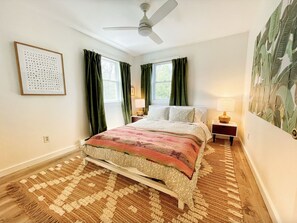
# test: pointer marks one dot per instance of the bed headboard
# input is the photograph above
(201, 109)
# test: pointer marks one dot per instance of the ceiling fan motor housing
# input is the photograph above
(144, 29)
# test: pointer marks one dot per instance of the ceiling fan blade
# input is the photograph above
(120, 28)
(155, 38)
(162, 12)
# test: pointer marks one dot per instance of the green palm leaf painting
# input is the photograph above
(273, 94)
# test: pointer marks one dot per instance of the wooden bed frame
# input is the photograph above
(141, 179)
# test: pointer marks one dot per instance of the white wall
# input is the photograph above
(25, 119)
(216, 69)
(272, 152)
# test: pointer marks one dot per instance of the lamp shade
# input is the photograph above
(226, 104)
(139, 103)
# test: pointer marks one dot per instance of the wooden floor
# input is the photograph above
(254, 208)
(253, 204)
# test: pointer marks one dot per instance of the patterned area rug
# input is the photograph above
(72, 192)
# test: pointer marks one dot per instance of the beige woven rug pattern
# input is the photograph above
(72, 192)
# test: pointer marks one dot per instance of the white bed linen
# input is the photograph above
(198, 129)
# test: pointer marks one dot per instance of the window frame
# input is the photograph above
(117, 81)
(153, 84)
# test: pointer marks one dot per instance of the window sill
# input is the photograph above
(160, 102)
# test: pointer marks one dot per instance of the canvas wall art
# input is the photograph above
(273, 94)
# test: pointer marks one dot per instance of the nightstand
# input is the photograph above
(135, 118)
(229, 129)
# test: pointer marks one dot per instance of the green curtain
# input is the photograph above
(178, 94)
(146, 74)
(94, 92)
(126, 91)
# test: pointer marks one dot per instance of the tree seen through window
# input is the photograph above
(162, 75)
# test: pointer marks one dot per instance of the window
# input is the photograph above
(111, 80)
(161, 82)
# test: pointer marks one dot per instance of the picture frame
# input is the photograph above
(132, 91)
(41, 71)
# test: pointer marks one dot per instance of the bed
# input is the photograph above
(163, 151)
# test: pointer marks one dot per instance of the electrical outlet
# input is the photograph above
(46, 139)
(248, 136)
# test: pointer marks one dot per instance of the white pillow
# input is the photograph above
(181, 114)
(158, 113)
(198, 115)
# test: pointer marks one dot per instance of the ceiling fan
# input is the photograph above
(145, 24)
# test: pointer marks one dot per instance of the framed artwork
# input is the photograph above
(273, 95)
(132, 91)
(41, 71)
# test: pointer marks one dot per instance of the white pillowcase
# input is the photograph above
(198, 115)
(177, 114)
(158, 113)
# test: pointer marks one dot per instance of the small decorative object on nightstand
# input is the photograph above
(135, 118)
(226, 129)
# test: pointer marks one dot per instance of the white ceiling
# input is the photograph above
(190, 22)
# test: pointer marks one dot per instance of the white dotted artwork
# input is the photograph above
(41, 71)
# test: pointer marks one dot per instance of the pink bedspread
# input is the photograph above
(170, 149)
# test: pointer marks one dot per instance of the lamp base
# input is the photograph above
(224, 118)
(139, 112)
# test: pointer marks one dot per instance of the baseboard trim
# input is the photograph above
(37, 160)
(275, 217)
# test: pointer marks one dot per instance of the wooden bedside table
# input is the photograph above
(135, 118)
(229, 129)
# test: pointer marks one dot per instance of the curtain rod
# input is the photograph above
(165, 59)
(108, 57)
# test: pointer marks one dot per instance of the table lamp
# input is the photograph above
(224, 105)
(140, 104)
